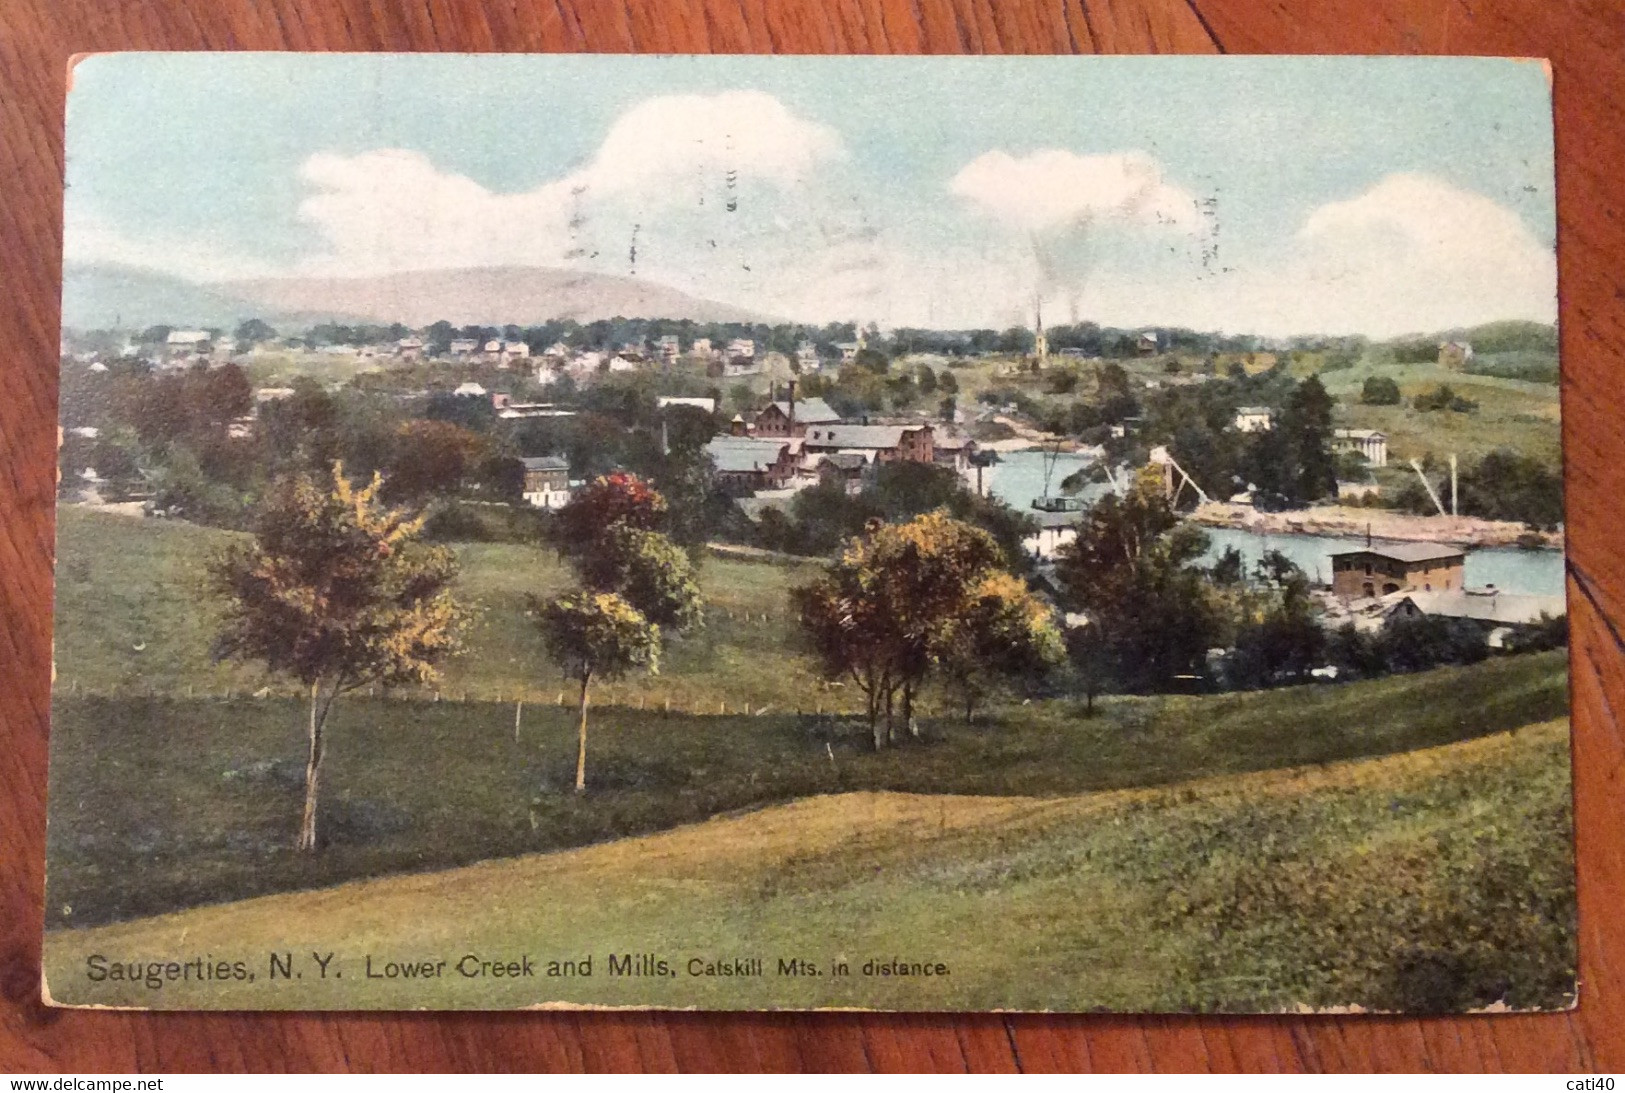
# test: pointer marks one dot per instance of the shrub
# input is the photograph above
(1380, 391)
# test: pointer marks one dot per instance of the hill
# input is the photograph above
(1435, 880)
(522, 295)
(96, 297)
(102, 297)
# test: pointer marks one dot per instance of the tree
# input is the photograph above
(635, 581)
(649, 571)
(611, 499)
(883, 611)
(1288, 641)
(1133, 571)
(1508, 485)
(432, 458)
(1003, 633)
(597, 634)
(335, 591)
(1306, 424)
(251, 332)
(1380, 391)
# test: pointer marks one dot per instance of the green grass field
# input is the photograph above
(1512, 413)
(205, 794)
(133, 613)
(1438, 879)
(1396, 843)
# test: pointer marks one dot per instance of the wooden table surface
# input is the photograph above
(1585, 40)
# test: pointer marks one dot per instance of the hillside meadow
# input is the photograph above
(1438, 879)
(134, 613)
(158, 803)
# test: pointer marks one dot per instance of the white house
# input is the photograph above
(741, 347)
(1254, 419)
(470, 389)
(1368, 442)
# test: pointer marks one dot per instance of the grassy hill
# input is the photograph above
(1436, 879)
(1512, 413)
(133, 613)
(204, 794)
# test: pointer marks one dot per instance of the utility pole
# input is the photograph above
(1454, 511)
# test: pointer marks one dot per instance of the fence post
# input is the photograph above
(518, 712)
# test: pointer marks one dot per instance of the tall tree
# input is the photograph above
(596, 635)
(1133, 570)
(880, 614)
(636, 582)
(1003, 633)
(335, 591)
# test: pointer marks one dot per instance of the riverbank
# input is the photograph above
(1339, 521)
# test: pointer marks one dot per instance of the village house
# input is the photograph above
(666, 348)
(409, 349)
(747, 463)
(1055, 530)
(463, 348)
(701, 347)
(470, 390)
(882, 443)
(620, 363)
(1397, 567)
(547, 481)
(1147, 344)
(741, 366)
(953, 449)
(849, 350)
(793, 417)
(1500, 614)
(806, 357)
(1254, 419)
(1455, 354)
(182, 346)
(741, 347)
(847, 468)
(1368, 442)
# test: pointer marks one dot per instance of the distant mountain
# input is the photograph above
(522, 295)
(98, 297)
(104, 297)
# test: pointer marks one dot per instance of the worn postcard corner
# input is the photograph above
(999, 534)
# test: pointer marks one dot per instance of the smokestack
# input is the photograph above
(792, 407)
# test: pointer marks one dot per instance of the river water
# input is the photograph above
(1019, 478)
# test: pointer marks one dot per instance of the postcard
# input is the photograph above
(1033, 534)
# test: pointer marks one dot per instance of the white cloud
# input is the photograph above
(1415, 253)
(1411, 254)
(392, 209)
(1054, 188)
(748, 132)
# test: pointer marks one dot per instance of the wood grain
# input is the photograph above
(1585, 40)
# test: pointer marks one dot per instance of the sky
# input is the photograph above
(1275, 196)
